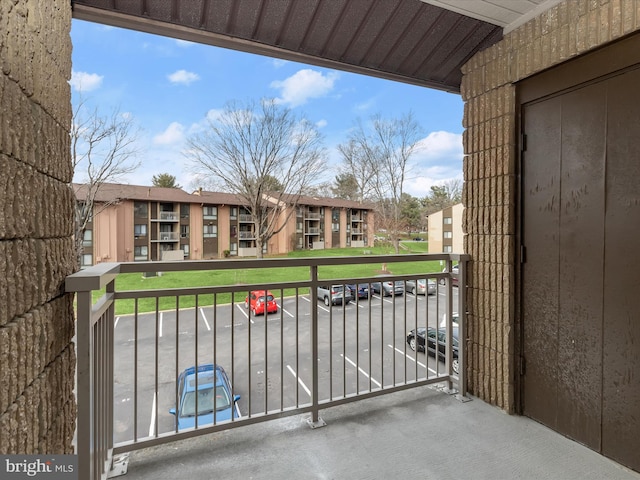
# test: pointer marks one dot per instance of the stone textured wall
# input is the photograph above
(37, 356)
(567, 30)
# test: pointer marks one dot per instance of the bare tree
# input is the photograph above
(247, 147)
(103, 149)
(357, 166)
(385, 147)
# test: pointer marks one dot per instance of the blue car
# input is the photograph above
(212, 396)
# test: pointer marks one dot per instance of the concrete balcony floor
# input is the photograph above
(418, 433)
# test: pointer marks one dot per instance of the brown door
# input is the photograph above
(581, 274)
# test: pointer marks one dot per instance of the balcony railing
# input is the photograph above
(167, 237)
(307, 356)
(167, 217)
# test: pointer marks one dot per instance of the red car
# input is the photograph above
(261, 302)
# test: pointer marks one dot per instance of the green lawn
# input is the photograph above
(170, 280)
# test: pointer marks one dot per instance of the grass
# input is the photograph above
(172, 280)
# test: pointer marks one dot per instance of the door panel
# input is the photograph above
(581, 229)
(541, 232)
(621, 356)
(581, 248)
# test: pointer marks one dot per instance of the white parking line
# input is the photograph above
(116, 323)
(244, 310)
(286, 311)
(362, 371)
(160, 326)
(293, 372)
(412, 359)
(204, 317)
(152, 425)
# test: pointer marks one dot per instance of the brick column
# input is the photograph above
(37, 356)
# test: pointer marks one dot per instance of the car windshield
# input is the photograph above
(206, 399)
(269, 298)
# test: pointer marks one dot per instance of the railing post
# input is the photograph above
(84, 437)
(462, 329)
(448, 328)
(315, 421)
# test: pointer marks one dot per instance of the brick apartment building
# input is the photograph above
(140, 223)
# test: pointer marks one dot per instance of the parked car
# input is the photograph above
(454, 280)
(433, 337)
(213, 394)
(388, 288)
(422, 286)
(361, 290)
(335, 294)
(261, 301)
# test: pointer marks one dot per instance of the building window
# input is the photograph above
(448, 249)
(233, 249)
(184, 210)
(141, 209)
(140, 253)
(185, 250)
(448, 234)
(87, 239)
(140, 230)
(210, 212)
(184, 231)
(87, 260)
(234, 231)
(233, 214)
(447, 220)
(335, 227)
(210, 231)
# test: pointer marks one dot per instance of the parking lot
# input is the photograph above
(361, 347)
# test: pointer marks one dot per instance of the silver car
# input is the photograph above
(422, 286)
(334, 294)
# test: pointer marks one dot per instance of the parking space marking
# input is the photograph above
(412, 359)
(160, 326)
(244, 310)
(204, 317)
(362, 371)
(293, 372)
(286, 311)
(152, 425)
(116, 323)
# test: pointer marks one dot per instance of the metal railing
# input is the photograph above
(305, 357)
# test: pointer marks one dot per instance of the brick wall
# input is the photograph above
(37, 356)
(567, 30)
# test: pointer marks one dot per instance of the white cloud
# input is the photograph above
(184, 77)
(278, 63)
(85, 82)
(440, 146)
(304, 85)
(173, 134)
(184, 43)
(321, 123)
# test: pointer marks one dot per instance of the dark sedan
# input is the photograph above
(439, 336)
(361, 290)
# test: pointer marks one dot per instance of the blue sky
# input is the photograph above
(170, 86)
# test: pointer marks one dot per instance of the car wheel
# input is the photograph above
(456, 366)
(326, 301)
(412, 343)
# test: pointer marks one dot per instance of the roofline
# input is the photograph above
(147, 25)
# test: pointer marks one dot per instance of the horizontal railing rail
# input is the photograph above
(297, 354)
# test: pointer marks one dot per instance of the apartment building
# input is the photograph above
(141, 223)
(445, 230)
